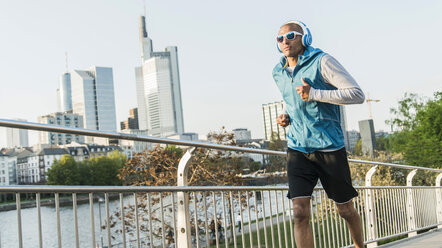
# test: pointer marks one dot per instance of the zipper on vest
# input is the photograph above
(291, 74)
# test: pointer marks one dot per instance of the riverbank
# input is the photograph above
(64, 201)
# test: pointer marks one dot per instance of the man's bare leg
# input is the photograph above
(351, 216)
(303, 231)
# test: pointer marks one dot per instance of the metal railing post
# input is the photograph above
(19, 224)
(439, 201)
(411, 218)
(369, 209)
(183, 218)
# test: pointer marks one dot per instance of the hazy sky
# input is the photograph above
(226, 51)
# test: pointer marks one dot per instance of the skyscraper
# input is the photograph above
(17, 137)
(160, 110)
(93, 98)
(366, 128)
(64, 93)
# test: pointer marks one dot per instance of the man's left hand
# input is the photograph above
(304, 90)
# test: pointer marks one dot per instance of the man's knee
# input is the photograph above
(301, 211)
(346, 210)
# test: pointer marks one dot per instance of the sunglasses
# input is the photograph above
(289, 36)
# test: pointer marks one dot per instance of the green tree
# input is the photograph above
(380, 144)
(85, 173)
(102, 170)
(358, 148)
(419, 135)
(251, 164)
(64, 172)
(405, 112)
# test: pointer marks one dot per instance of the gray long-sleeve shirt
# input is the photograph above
(347, 92)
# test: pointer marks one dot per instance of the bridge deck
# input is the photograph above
(432, 239)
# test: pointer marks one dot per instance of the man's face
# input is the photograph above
(291, 48)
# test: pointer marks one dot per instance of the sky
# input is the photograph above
(226, 50)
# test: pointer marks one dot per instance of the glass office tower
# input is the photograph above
(93, 98)
(160, 110)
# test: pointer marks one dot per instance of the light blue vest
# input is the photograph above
(313, 125)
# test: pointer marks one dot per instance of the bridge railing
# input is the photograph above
(214, 216)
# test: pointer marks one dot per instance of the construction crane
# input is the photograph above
(369, 100)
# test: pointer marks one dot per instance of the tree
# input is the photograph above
(64, 172)
(251, 164)
(157, 167)
(381, 143)
(384, 176)
(358, 148)
(419, 135)
(405, 113)
(102, 170)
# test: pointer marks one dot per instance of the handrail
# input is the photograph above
(125, 136)
(400, 166)
(145, 138)
(144, 189)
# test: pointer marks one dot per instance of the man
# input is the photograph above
(238, 222)
(313, 84)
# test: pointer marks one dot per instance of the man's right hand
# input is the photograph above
(283, 120)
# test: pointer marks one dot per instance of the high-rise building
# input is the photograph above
(64, 93)
(158, 88)
(67, 119)
(270, 112)
(132, 121)
(93, 98)
(366, 128)
(17, 137)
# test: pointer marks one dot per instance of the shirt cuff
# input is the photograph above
(311, 94)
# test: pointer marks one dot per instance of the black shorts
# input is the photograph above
(304, 169)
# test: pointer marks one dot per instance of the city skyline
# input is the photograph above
(223, 58)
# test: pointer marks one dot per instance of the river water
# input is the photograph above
(9, 229)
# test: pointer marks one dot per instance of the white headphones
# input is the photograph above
(306, 37)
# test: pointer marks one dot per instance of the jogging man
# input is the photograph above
(313, 85)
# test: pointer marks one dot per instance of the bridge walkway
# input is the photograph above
(431, 239)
